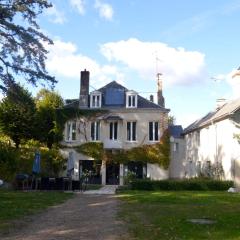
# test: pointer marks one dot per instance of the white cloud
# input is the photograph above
(64, 60)
(177, 65)
(55, 15)
(234, 82)
(105, 10)
(185, 119)
(79, 5)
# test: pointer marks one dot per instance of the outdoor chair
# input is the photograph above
(22, 181)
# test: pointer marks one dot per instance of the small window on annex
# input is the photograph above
(71, 131)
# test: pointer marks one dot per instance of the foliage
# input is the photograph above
(9, 157)
(53, 163)
(155, 153)
(47, 102)
(14, 161)
(17, 114)
(22, 46)
(15, 204)
(65, 114)
(171, 120)
(129, 178)
(161, 215)
(214, 171)
(92, 149)
(197, 184)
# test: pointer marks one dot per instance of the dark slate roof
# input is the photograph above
(112, 84)
(223, 112)
(71, 103)
(175, 131)
(142, 102)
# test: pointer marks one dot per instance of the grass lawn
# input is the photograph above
(165, 215)
(16, 204)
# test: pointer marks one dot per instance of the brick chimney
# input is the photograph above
(161, 101)
(84, 89)
(151, 98)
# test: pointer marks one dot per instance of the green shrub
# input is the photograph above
(9, 157)
(181, 185)
(14, 161)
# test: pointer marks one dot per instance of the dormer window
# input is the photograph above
(95, 99)
(131, 99)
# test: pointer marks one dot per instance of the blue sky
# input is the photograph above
(189, 42)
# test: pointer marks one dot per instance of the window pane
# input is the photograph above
(156, 131)
(115, 130)
(74, 131)
(128, 131)
(98, 131)
(98, 101)
(68, 131)
(133, 101)
(151, 131)
(111, 131)
(92, 131)
(134, 124)
(129, 101)
(93, 101)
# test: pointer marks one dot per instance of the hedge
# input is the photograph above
(181, 185)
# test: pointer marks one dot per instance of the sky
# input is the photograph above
(194, 44)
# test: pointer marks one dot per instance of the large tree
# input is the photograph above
(22, 43)
(47, 102)
(17, 114)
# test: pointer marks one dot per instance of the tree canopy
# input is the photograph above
(22, 43)
(17, 114)
(47, 102)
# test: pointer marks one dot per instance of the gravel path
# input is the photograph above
(83, 217)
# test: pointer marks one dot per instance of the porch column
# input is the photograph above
(103, 172)
(121, 174)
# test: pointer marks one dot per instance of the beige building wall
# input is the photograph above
(177, 162)
(141, 116)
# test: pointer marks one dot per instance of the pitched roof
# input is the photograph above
(175, 131)
(142, 102)
(223, 112)
(71, 103)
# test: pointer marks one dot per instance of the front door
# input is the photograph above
(112, 174)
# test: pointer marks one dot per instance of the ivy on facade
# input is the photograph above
(65, 114)
(155, 153)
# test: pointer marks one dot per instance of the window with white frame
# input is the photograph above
(71, 131)
(95, 131)
(153, 131)
(131, 99)
(131, 131)
(175, 147)
(95, 100)
(113, 131)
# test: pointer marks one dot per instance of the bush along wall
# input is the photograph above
(181, 185)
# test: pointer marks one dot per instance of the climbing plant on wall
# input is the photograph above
(65, 114)
(155, 153)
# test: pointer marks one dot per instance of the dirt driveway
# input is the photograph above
(83, 217)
